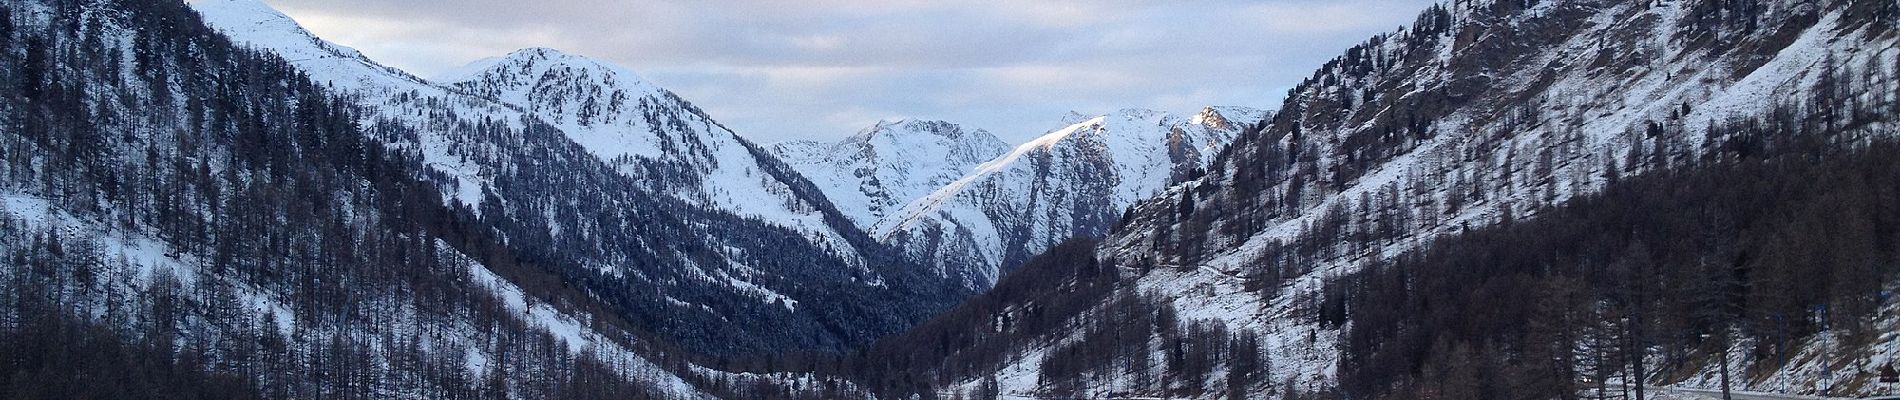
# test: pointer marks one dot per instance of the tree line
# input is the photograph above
(315, 261)
(1786, 234)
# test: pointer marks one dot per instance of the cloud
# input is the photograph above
(823, 69)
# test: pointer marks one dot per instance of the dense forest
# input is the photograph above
(1762, 245)
(1067, 289)
(1755, 234)
(184, 218)
(51, 356)
(1753, 249)
(321, 262)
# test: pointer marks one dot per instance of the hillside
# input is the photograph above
(972, 209)
(226, 225)
(624, 189)
(1481, 113)
(1507, 199)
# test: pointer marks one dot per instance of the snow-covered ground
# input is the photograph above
(873, 173)
(975, 206)
(1823, 365)
(643, 131)
(147, 258)
(1588, 118)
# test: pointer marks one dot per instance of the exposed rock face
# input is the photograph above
(1481, 112)
(685, 227)
(963, 202)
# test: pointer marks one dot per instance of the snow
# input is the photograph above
(905, 177)
(550, 86)
(1805, 372)
(28, 208)
(1586, 116)
(531, 80)
(616, 115)
(873, 173)
(260, 26)
(1048, 187)
(927, 205)
(256, 25)
(569, 329)
(950, 194)
(149, 257)
(732, 179)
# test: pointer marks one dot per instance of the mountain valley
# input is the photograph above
(1519, 199)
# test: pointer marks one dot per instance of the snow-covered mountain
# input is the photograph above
(1482, 111)
(297, 221)
(262, 242)
(651, 134)
(624, 187)
(387, 92)
(979, 219)
(874, 173)
(641, 129)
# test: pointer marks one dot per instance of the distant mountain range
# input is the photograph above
(627, 189)
(1506, 199)
(927, 207)
(1482, 116)
(962, 200)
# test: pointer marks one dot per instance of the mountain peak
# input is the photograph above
(531, 63)
(547, 54)
(259, 25)
(931, 139)
(544, 52)
(256, 25)
(528, 56)
(1079, 122)
(1229, 117)
(885, 124)
(907, 127)
(1073, 180)
(884, 166)
(1075, 117)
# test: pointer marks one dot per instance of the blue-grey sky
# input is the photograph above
(823, 69)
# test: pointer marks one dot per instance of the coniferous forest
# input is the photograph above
(1506, 199)
(232, 160)
(1751, 251)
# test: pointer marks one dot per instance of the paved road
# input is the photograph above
(1717, 395)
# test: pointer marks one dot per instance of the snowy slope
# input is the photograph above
(228, 282)
(1073, 181)
(390, 93)
(644, 130)
(260, 26)
(650, 134)
(1594, 75)
(676, 217)
(146, 257)
(1470, 113)
(872, 174)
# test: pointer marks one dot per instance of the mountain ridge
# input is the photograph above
(894, 161)
(1479, 113)
(1008, 202)
(1508, 198)
(545, 145)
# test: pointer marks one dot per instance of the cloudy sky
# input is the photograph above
(824, 69)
